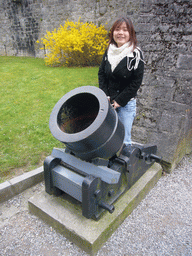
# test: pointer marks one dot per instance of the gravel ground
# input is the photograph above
(160, 225)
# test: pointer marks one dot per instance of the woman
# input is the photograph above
(121, 72)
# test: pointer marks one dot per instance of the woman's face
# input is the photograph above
(121, 35)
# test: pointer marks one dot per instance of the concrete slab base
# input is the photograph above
(65, 214)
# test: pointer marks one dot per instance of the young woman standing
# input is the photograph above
(121, 72)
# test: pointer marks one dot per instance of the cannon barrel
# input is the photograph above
(84, 120)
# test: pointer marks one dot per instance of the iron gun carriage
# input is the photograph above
(95, 167)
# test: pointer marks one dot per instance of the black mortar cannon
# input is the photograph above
(95, 168)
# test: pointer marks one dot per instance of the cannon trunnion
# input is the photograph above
(95, 168)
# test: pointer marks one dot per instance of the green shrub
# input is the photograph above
(75, 44)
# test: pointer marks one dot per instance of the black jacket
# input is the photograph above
(121, 84)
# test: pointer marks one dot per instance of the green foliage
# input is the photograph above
(75, 44)
(29, 91)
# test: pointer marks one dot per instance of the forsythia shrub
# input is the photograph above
(75, 44)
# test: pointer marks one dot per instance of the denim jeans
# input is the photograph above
(126, 115)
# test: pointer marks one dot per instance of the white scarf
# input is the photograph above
(116, 54)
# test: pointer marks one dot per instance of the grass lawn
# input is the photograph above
(29, 91)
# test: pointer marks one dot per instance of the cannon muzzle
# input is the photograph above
(87, 124)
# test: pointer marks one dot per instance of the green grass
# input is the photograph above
(29, 91)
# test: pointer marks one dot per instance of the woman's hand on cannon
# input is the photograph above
(115, 104)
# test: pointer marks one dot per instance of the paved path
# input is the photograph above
(160, 225)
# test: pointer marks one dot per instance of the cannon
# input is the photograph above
(95, 167)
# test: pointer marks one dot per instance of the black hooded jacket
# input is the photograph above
(123, 83)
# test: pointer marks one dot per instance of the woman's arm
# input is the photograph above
(103, 83)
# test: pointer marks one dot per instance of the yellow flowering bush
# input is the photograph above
(75, 44)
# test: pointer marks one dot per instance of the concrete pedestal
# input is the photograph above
(64, 213)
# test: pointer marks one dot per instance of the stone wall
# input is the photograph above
(164, 32)
(165, 100)
(25, 21)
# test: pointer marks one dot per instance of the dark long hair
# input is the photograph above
(130, 27)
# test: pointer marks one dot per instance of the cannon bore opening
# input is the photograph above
(78, 113)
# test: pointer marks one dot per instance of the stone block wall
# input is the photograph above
(164, 32)
(165, 99)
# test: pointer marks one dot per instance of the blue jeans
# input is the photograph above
(126, 115)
